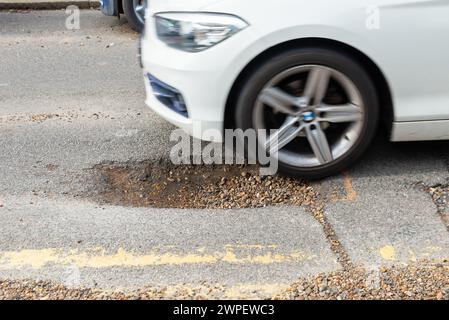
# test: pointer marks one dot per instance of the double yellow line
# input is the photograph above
(101, 258)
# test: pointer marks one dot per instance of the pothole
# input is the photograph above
(147, 184)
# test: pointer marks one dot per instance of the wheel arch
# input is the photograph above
(382, 87)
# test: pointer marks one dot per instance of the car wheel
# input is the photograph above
(323, 104)
(134, 11)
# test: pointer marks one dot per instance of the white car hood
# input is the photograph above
(180, 5)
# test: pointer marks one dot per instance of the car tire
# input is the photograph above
(129, 9)
(344, 67)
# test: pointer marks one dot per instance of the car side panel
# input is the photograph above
(409, 45)
(415, 52)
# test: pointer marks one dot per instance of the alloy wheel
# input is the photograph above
(139, 8)
(318, 113)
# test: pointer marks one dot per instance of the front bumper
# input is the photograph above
(196, 127)
(204, 79)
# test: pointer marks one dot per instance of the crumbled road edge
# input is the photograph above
(440, 196)
(423, 280)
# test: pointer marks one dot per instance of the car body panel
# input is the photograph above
(420, 130)
(409, 48)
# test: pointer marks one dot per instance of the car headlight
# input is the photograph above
(194, 32)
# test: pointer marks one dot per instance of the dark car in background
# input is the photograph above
(134, 10)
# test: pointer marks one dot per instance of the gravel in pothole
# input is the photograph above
(440, 196)
(211, 187)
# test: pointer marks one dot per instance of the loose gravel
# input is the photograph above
(67, 116)
(424, 280)
(202, 187)
(440, 196)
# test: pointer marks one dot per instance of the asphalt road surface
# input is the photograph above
(73, 99)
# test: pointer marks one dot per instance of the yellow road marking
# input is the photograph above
(99, 258)
(350, 193)
(251, 291)
(412, 256)
(388, 253)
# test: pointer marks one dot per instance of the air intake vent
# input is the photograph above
(168, 95)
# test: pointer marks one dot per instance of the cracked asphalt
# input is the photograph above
(73, 99)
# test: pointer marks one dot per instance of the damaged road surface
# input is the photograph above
(91, 208)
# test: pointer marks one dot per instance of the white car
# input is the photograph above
(323, 72)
